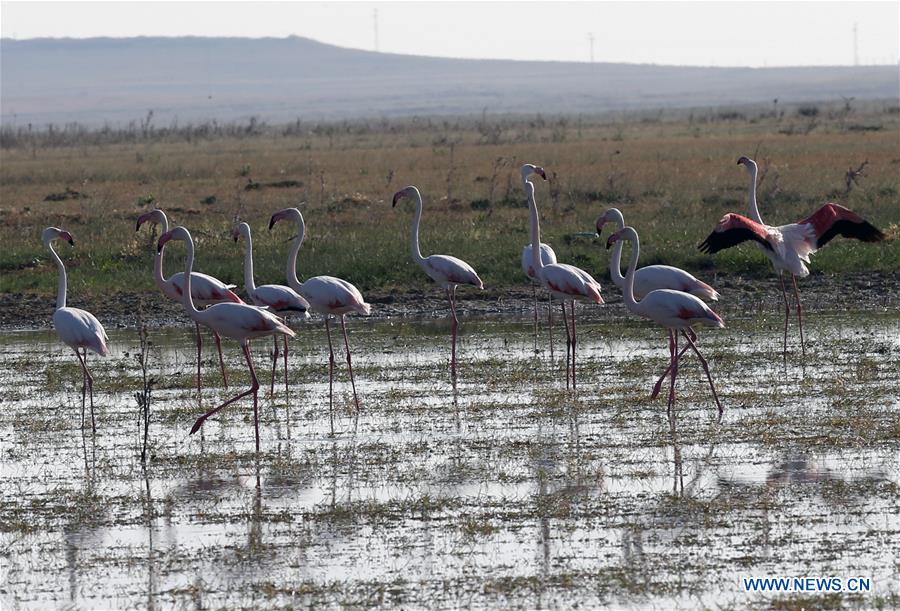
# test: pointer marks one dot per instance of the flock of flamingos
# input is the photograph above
(668, 296)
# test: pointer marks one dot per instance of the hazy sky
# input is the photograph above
(691, 33)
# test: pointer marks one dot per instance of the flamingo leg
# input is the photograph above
(787, 314)
(658, 386)
(199, 345)
(275, 355)
(88, 380)
(550, 323)
(221, 359)
(454, 325)
(705, 366)
(251, 391)
(286, 390)
(673, 356)
(534, 294)
(330, 375)
(568, 342)
(574, 340)
(799, 313)
(349, 365)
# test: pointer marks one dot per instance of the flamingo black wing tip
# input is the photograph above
(197, 426)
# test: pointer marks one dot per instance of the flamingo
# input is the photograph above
(675, 310)
(326, 295)
(275, 297)
(653, 277)
(565, 282)
(548, 257)
(76, 328)
(235, 320)
(446, 270)
(206, 289)
(788, 247)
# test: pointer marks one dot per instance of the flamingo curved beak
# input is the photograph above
(235, 234)
(141, 220)
(743, 160)
(612, 240)
(162, 241)
(540, 172)
(397, 196)
(277, 217)
(65, 235)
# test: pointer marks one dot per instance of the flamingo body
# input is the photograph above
(448, 271)
(330, 295)
(78, 328)
(652, 277)
(548, 257)
(205, 290)
(567, 282)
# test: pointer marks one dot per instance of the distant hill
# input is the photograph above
(99, 80)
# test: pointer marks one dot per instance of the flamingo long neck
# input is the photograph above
(61, 282)
(249, 284)
(536, 261)
(414, 232)
(628, 290)
(188, 301)
(293, 282)
(751, 205)
(615, 263)
(158, 259)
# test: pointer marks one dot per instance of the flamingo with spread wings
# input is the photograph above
(788, 247)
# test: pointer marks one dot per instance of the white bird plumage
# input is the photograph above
(275, 297)
(675, 310)
(238, 321)
(565, 282)
(651, 277)
(326, 295)
(77, 328)
(205, 290)
(446, 270)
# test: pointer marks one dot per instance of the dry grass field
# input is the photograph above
(673, 176)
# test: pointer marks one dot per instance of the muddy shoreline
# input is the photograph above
(740, 293)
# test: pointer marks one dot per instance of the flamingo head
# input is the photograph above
(613, 215)
(239, 230)
(156, 217)
(617, 236)
(287, 213)
(53, 233)
(746, 162)
(528, 169)
(179, 233)
(409, 191)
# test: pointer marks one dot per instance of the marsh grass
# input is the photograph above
(672, 179)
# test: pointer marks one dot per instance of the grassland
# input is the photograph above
(673, 177)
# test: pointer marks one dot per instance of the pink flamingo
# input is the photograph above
(275, 297)
(76, 328)
(326, 295)
(548, 257)
(235, 320)
(447, 271)
(674, 310)
(788, 247)
(565, 282)
(653, 277)
(206, 290)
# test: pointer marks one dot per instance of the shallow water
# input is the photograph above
(506, 490)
